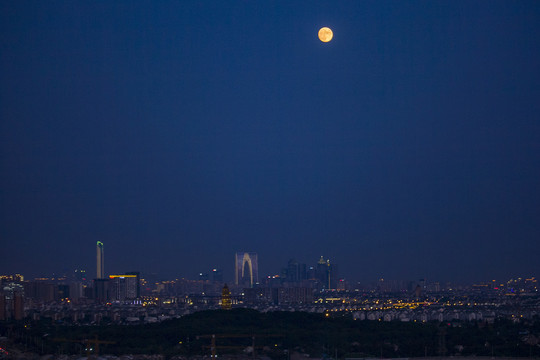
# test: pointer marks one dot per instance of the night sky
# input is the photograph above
(178, 133)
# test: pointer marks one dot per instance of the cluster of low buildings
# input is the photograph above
(129, 299)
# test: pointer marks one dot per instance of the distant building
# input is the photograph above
(295, 295)
(101, 290)
(63, 292)
(18, 305)
(217, 275)
(122, 287)
(342, 284)
(11, 278)
(311, 273)
(100, 261)
(3, 313)
(246, 269)
(80, 275)
(75, 290)
(226, 303)
(321, 271)
(203, 276)
(418, 292)
(12, 301)
(295, 272)
(40, 291)
(326, 274)
(138, 275)
(278, 295)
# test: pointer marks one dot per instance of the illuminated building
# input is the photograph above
(15, 278)
(226, 303)
(138, 275)
(123, 287)
(100, 261)
(246, 269)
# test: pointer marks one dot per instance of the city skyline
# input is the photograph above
(231, 271)
(179, 133)
(245, 274)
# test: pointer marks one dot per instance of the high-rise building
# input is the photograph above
(75, 290)
(101, 290)
(12, 301)
(79, 275)
(321, 272)
(326, 273)
(40, 290)
(18, 306)
(123, 287)
(295, 272)
(62, 291)
(3, 315)
(138, 276)
(100, 261)
(217, 275)
(246, 269)
(203, 276)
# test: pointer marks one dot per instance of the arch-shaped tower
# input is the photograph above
(246, 269)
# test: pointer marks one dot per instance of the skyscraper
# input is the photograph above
(138, 275)
(326, 273)
(101, 290)
(295, 272)
(100, 261)
(123, 287)
(217, 275)
(246, 269)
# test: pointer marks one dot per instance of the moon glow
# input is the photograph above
(325, 34)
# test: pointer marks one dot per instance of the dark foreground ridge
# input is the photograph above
(278, 335)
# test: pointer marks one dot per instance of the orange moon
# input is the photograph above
(325, 34)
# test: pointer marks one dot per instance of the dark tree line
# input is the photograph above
(279, 333)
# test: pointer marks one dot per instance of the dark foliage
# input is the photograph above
(278, 333)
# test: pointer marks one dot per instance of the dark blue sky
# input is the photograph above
(180, 132)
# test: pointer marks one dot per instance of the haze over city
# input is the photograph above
(180, 133)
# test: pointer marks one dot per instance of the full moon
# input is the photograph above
(325, 34)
